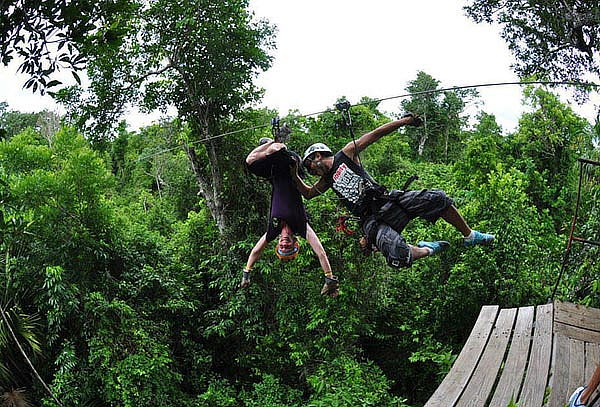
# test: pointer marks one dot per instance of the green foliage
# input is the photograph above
(346, 382)
(546, 147)
(270, 392)
(219, 394)
(117, 270)
(133, 367)
(556, 39)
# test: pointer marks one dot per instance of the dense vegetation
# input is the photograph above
(122, 289)
(121, 250)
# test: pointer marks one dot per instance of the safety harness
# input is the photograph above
(374, 199)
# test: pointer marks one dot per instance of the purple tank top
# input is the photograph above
(286, 201)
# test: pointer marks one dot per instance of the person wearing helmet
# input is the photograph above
(287, 219)
(383, 214)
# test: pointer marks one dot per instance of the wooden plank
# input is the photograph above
(560, 375)
(509, 384)
(581, 334)
(480, 386)
(455, 381)
(576, 365)
(577, 315)
(536, 377)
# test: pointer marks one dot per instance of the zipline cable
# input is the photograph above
(418, 93)
(260, 126)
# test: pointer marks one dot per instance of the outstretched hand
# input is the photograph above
(416, 119)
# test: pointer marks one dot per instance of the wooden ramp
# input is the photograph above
(535, 356)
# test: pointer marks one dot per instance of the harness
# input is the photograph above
(377, 199)
(374, 200)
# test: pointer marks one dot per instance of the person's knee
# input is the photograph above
(393, 247)
(399, 258)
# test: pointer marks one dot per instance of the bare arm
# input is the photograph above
(369, 138)
(307, 191)
(256, 252)
(315, 243)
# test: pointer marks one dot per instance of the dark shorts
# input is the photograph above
(426, 204)
(384, 229)
(389, 242)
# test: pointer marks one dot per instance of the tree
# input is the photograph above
(440, 136)
(13, 122)
(48, 36)
(546, 147)
(197, 56)
(558, 39)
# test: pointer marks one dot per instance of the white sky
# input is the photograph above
(332, 48)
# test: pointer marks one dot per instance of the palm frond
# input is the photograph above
(14, 398)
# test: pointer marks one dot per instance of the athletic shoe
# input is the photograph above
(484, 239)
(575, 400)
(435, 246)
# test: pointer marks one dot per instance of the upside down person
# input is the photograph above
(287, 219)
(383, 214)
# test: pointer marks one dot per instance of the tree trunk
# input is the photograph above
(423, 137)
(209, 178)
(210, 187)
(446, 144)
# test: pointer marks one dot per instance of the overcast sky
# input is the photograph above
(332, 48)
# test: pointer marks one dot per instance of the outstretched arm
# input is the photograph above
(256, 252)
(253, 258)
(315, 243)
(369, 138)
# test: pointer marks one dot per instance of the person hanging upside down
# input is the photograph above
(383, 214)
(287, 219)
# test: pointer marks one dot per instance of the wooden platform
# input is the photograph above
(535, 356)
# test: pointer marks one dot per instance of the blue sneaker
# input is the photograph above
(575, 400)
(435, 246)
(484, 239)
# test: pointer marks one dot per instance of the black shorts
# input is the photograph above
(426, 204)
(389, 242)
(384, 228)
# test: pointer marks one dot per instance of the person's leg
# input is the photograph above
(471, 237)
(395, 249)
(453, 217)
(589, 389)
(419, 252)
(262, 151)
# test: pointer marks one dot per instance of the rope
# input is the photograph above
(423, 92)
(260, 126)
(344, 108)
